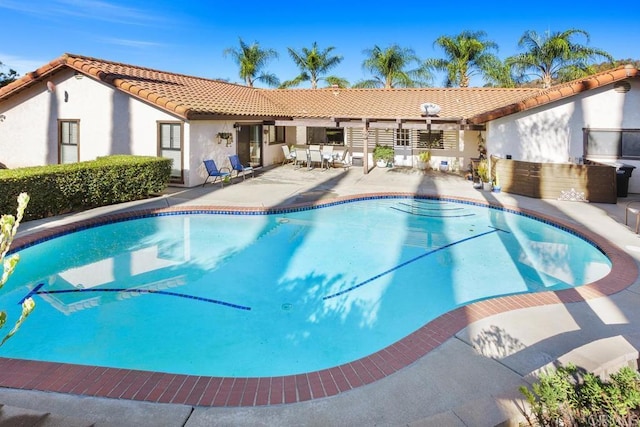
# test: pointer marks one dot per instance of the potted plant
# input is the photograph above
(383, 155)
(483, 172)
(424, 159)
(224, 135)
(496, 184)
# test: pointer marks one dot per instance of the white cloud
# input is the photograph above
(130, 43)
(85, 9)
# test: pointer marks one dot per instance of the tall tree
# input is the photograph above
(467, 54)
(314, 65)
(499, 74)
(389, 68)
(252, 61)
(554, 57)
(6, 78)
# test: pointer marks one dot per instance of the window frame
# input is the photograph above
(402, 138)
(171, 123)
(321, 132)
(61, 143)
(274, 134)
(434, 139)
(623, 148)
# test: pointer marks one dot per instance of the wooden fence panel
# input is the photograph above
(550, 180)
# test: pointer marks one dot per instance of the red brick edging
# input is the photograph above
(235, 392)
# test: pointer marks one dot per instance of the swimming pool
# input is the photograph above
(265, 295)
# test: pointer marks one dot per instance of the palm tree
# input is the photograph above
(554, 56)
(388, 68)
(313, 65)
(252, 60)
(499, 74)
(468, 53)
(337, 81)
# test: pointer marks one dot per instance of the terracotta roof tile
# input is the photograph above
(393, 103)
(194, 97)
(559, 92)
(32, 77)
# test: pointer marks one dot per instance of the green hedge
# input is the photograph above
(59, 189)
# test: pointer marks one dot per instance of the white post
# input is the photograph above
(365, 149)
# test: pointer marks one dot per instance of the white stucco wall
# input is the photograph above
(110, 122)
(554, 132)
(203, 144)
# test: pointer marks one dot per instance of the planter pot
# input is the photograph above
(486, 186)
(496, 189)
(381, 163)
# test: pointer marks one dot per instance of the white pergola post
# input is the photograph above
(365, 149)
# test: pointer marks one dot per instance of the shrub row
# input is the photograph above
(570, 396)
(59, 189)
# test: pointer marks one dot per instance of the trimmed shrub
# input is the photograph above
(59, 189)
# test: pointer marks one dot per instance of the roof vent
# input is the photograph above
(622, 87)
(430, 109)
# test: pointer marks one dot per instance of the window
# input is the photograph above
(274, 134)
(438, 139)
(403, 137)
(612, 143)
(170, 136)
(329, 136)
(432, 139)
(68, 141)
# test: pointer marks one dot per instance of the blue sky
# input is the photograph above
(189, 37)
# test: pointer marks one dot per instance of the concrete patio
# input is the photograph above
(470, 380)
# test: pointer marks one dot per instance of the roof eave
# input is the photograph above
(32, 78)
(558, 92)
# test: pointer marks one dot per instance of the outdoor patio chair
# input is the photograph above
(289, 156)
(340, 159)
(315, 156)
(238, 167)
(216, 173)
(327, 155)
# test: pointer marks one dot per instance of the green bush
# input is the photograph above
(59, 189)
(383, 152)
(572, 397)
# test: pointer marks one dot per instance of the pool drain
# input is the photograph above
(286, 306)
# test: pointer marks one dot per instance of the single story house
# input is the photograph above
(78, 108)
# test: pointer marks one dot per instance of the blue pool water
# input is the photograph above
(269, 295)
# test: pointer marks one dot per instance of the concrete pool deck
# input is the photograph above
(471, 379)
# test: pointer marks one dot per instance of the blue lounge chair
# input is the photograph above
(216, 173)
(237, 166)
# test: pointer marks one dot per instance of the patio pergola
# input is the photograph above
(365, 124)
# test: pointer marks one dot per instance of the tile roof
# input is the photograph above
(394, 103)
(558, 92)
(187, 96)
(199, 98)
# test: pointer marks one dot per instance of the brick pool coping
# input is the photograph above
(236, 392)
